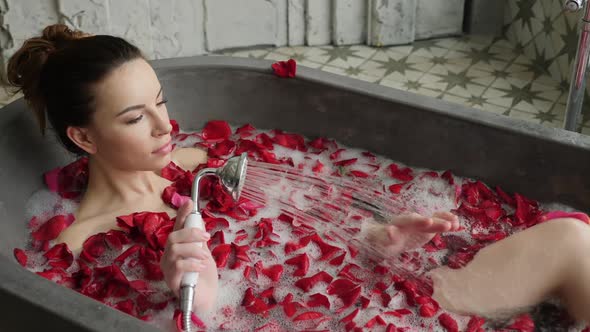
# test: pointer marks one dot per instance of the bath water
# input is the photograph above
(313, 208)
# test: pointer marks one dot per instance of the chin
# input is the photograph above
(163, 161)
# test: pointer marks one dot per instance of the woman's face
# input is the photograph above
(130, 129)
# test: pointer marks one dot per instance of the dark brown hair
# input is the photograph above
(57, 71)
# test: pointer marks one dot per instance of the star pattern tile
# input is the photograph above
(498, 74)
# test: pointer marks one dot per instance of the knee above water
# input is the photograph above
(571, 234)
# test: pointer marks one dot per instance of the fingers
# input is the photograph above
(412, 220)
(183, 266)
(187, 235)
(181, 251)
(182, 213)
(438, 226)
(439, 223)
(393, 234)
(452, 218)
(445, 215)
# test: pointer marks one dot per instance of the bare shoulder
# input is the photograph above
(78, 232)
(75, 235)
(189, 158)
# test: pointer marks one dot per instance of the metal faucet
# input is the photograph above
(575, 100)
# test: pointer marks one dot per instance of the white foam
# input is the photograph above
(427, 196)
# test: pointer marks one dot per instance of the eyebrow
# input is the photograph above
(136, 107)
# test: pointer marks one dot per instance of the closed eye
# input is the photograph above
(136, 120)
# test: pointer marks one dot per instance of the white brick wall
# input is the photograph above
(349, 22)
(172, 28)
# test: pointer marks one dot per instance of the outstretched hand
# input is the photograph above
(411, 231)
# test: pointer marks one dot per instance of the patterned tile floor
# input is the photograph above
(478, 71)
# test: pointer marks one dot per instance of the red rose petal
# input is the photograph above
(403, 174)
(359, 174)
(429, 309)
(265, 141)
(273, 272)
(398, 313)
(522, 323)
(369, 155)
(429, 175)
(172, 172)
(20, 256)
(126, 306)
(347, 273)
(69, 181)
(302, 263)
(349, 318)
(221, 149)
(130, 251)
(505, 197)
(475, 323)
(346, 162)
(221, 255)
(175, 127)
(285, 68)
(194, 318)
(375, 320)
(326, 249)
(318, 300)
(310, 315)
(317, 168)
(291, 141)
(391, 328)
(563, 214)
(449, 177)
(364, 302)
(306, 284)
(52, 179)
(240, 236)
(380, 269)
(448, 323)
(216, 131)
(338, 260)
(346, 290)
(396, 188)
(51, 229)
(215, 223)
(258, 305)
(59, 256)
(245, 130)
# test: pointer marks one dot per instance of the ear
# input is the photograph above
(82, 138)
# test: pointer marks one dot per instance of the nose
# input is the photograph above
(162, 125)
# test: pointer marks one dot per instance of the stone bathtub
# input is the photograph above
(543, 163)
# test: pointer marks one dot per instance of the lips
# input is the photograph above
(164, 148)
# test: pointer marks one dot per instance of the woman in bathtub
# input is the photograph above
(104, 100)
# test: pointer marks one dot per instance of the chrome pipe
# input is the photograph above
(577, 90)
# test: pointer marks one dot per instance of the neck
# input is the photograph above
(119, 185)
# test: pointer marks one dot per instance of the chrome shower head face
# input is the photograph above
(233, 175)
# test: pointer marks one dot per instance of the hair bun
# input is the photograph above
(25, 66)
(60, 34)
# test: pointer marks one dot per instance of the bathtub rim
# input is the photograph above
(414, 100)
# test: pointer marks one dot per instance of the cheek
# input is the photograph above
(126, 142)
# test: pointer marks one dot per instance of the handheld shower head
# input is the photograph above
(232, 176)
